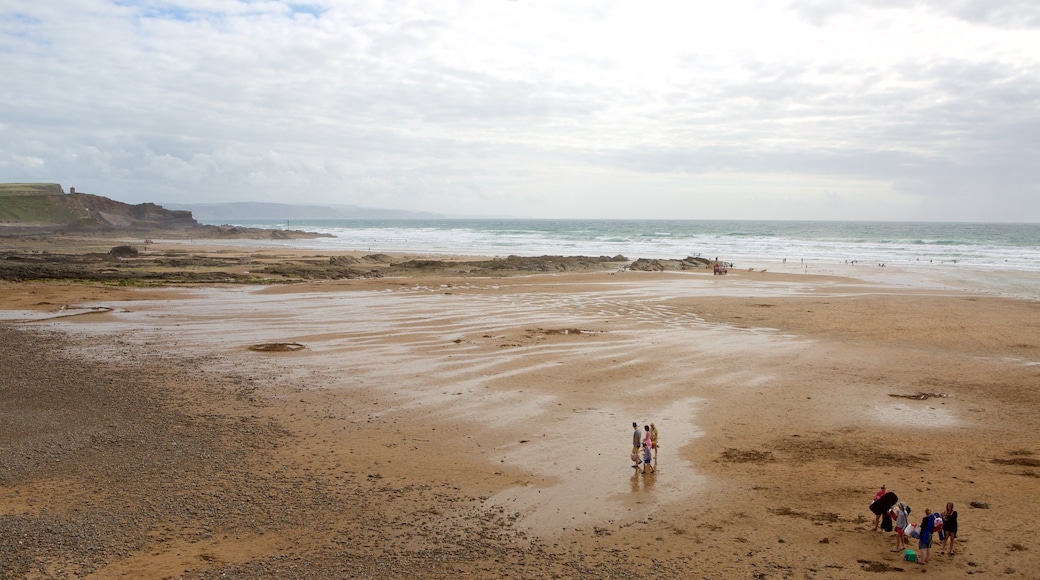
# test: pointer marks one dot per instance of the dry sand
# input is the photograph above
(435, 427)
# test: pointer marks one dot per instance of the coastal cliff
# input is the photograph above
(45, 208)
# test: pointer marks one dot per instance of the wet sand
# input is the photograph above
(481, 426)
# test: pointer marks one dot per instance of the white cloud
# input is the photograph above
(844, 110)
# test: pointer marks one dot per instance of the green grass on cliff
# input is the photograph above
(35, 203)
(7, 189)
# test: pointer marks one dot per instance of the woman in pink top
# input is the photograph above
(877, 496)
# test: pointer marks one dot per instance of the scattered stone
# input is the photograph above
(277, 347)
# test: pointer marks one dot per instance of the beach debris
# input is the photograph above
(921, 396)
(981, 505)
(565, 331)
(277, 347)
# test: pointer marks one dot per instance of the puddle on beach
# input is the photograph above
(923, 415)
(592, 481)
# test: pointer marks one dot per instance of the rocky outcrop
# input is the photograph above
(654, 265)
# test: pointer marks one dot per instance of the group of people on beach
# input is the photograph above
(897, 518)
(644, 447)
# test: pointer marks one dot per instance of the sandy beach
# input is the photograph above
(442, 426)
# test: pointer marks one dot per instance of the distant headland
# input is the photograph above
(45, 208)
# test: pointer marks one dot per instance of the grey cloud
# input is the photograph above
(998, 13)
(361, 108)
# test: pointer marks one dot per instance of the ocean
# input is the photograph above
(973, 245)
(976, 254)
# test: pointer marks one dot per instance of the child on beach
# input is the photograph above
(901, 515)
(647, 456)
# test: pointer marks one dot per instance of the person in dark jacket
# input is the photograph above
(949, 531)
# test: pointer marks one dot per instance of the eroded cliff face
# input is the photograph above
(46, 206)
(102, 212)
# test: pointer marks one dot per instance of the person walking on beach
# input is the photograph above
(647, 439)
(653, 439)
(877, 496)
(637, 438)
(949, 531)
(647, 456)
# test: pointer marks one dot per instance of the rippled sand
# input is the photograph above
(783, 402)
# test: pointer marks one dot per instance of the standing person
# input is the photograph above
(637, 438)
(949, 517)
(901, 515)
(927, 529)
(886, 521)
(647, 455)
(877, 496)
(647, 439)
(653, 439)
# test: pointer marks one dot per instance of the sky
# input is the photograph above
(744, 109)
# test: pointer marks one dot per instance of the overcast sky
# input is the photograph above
(820, 109)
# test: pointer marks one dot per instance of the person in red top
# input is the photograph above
(877, 496)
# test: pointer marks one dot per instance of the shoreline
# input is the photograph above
(447, 408)
(942, 276)
(984, 281)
